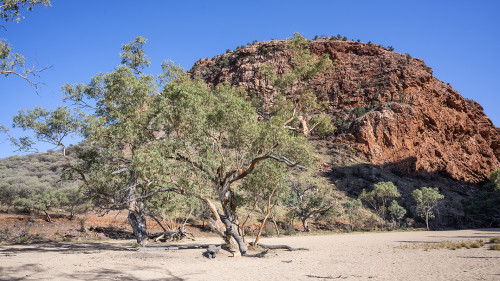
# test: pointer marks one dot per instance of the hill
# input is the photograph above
(389, 106)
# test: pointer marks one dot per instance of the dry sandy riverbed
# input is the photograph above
(362, 256)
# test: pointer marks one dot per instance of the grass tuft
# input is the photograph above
(495, 240)
(495, 247)
(451, 245)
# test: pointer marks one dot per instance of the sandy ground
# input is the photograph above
(363, 256)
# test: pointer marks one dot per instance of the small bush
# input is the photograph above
(66, 239)
(22, 240)
(495, 247)
(358, 111)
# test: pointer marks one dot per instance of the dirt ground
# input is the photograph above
(358, 256)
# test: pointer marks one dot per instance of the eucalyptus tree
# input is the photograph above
(216, 140)
(427, 199)
(118, 166)
(12, 63)
(148, 135)
(295, 95)
(379, 197)
(308, 197)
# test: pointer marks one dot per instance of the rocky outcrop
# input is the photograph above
(414, 121)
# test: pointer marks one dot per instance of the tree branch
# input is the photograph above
(194, 164)
(254, 162)
(25, 77)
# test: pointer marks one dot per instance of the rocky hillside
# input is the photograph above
(413, 121)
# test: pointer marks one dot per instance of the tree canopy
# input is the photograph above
(147, 135)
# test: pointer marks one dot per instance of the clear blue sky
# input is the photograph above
(458, 39)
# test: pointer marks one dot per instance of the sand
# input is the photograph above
(359, 256)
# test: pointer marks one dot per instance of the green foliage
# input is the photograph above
(380, 195)
(352, 209)
(149, 140)
(48, 126)
(324, 125)
(308, 197)
(390, 48)
(304, 110)
(133, 55)
(427, 199)
(481, 208)
(261, 183)
(358, 111)
(397, 212)
(33, 183)
(495, 179)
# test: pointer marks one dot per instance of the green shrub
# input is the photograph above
(495, 247)
(358, 111)
(22, 240)
(495, 179)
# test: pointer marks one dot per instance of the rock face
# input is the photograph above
(414, 121)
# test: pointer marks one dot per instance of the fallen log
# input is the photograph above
(169, 236)
(285, 247)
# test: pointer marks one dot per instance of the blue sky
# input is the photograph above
(458, 39)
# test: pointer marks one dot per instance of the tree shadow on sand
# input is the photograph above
(38, 272)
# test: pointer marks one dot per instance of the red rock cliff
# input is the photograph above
(414, 121)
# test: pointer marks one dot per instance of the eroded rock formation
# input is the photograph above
(414, 121)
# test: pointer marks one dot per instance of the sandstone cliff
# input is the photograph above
(414, 121)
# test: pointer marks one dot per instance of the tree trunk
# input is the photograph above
(275, 226)
(267, 215)
(47, 216)
(217, 225)
(305, 127)
(137, 220)
(427, 220)
(304, 223)
(231, 230)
